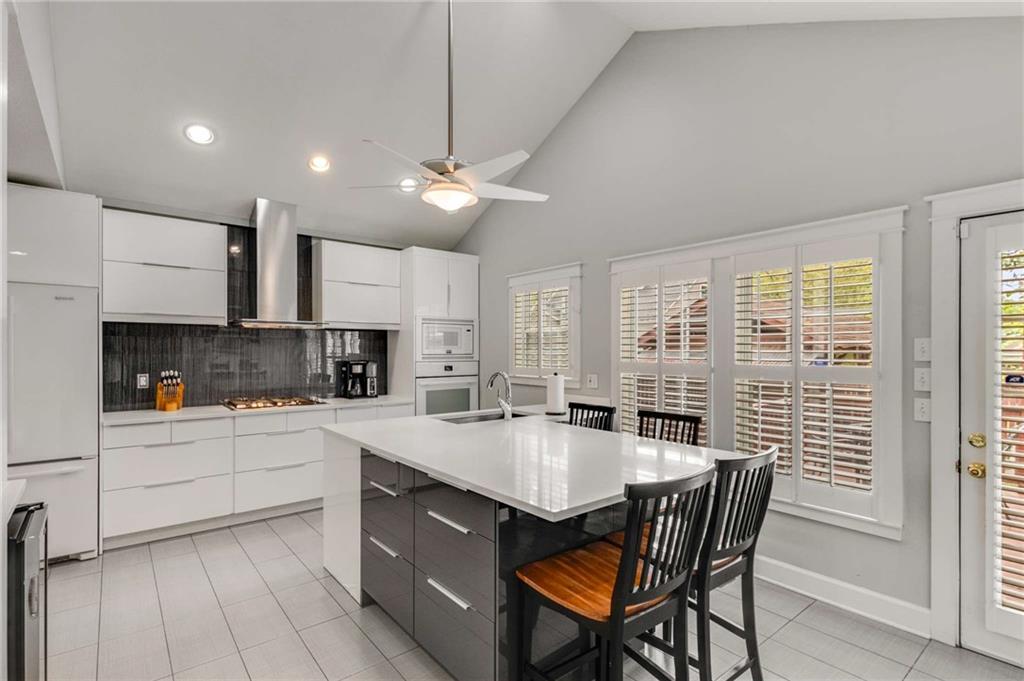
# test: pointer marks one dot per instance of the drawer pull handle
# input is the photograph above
(450, 595)
(450, 523)
(173, 267)
(450, 484)
(184, 481)
(170, 444)
(278, 434)
(13, 474)
(383, 547)
(385, 489)
(284, 466)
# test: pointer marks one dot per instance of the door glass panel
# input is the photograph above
(446, 400)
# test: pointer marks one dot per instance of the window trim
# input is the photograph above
(548, 277)
(885, 228)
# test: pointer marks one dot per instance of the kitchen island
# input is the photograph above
(430, 518)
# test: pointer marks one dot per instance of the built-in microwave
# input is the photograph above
(440, 339)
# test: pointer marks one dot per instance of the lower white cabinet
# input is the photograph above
(164, 464)
(278, 485)
(70, 490)
(163, 504)
(255, 452)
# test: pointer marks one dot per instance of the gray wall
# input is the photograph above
(699, 134)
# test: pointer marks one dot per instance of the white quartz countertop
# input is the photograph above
(533, 463)
(122, 418)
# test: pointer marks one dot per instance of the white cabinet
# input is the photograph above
(371, 413)
(160, 269)
(137, 509)
(53, 236)
(444, 284)
(70, 489)
(356, 286)
(278, 486)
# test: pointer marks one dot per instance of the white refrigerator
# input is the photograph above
(53, 408)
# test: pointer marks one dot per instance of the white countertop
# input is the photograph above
(533, 463)
(123, 418)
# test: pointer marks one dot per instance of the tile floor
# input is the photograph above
(253, 602)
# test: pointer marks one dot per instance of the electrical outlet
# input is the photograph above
(922, 409)
(922, 349)
(591, 381)
(922, 379)
(141, 381)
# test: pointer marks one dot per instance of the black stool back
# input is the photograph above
(596, 416)
(661, 425)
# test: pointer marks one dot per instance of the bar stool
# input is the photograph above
(596, 416)
(662, 425)
(619, 594)
(743, 488)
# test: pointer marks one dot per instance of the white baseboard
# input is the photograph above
(903, 615)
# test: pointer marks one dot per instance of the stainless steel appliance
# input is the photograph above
(444, 339)
(26, 593)
(352, 379)
(371, 379)
(240, 403)
(53, 365)
(445, 387)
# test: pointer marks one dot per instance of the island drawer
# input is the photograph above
(378, 470)
(457, 556)
(449, 627)
(388, 578)
(388, 516)
(467, 509)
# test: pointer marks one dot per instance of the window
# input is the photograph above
(788, 338)
(544, 324)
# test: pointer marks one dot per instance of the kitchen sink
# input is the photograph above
(479, 418)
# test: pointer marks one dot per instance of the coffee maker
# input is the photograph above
(355, 379)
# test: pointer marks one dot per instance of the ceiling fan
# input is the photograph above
(451, 183)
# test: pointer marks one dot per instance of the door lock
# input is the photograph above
(976, 470)
(977, 440)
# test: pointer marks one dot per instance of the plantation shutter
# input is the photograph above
(543, 321)
(764, 418)
(764, 317)
(525, 331)
(554, 314)
(836, 431)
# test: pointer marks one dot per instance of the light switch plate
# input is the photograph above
(922, 379)
(592, 381)
(922, 349)
(141, 381)
(922, 409)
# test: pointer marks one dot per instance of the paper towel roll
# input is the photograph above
(556, 394)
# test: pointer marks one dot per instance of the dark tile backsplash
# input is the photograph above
(217, 362)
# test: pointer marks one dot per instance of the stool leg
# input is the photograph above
(615, 656)
(666, 631)
(681, 647)
(515, 622)
(749, 627)
(704, 634)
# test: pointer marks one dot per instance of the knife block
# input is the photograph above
(169, 402)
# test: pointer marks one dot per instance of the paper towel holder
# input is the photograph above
(555, 395)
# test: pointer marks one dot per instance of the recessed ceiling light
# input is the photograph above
(319, 164)
(200, 134)
(17, 252)
(408, 185)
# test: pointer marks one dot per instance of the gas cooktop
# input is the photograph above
(238, 403)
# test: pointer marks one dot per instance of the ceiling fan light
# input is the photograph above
(449, 196)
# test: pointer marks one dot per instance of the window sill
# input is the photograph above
(838, 518)
(542, 382)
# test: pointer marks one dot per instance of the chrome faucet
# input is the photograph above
(506, 402)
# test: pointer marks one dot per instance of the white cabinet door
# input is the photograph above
(463, 283)
(131, 289)
(276, 487)
(53, 237)
(146, 508)
(53, 355)
(359, 264)
(71, 492)
(430, 286)
(361, 303)
(278, 450)
(396, 410)
(352, 414)
(158, 240)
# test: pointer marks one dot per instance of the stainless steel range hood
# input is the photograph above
(277, 277)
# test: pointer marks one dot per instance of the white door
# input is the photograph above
(463, 284)
(992, 436)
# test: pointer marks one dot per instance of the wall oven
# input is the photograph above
(441, 339)
(445, 387)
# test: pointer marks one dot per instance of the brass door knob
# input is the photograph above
(977, 440)
(976, 470)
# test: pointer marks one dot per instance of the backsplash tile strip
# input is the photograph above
(217, 362)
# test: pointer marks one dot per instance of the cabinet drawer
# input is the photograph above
(353, 414)
(388, 578)
(395, 410)
(167, 463)
(304, 420)
(448, 627)
(254, 452)
(71, 492)
(138, 237)
(276, 487)
(261, 423)
(145, 508)
(459, 557)
(136, 435)
(383, 472)
(388, 516)
(360, 303)
(156, 290)
(205, 429)
(469, 510)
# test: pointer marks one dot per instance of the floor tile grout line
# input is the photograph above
(829, 664)
(234, 641)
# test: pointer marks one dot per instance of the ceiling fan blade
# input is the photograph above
(486, 190)
(408, 162)
(481, 172)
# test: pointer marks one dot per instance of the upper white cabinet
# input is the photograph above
(161, 269)
(444, 284)
(53, 237)
(356, 286)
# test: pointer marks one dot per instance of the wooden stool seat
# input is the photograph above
(581, 580)
(616, 539)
